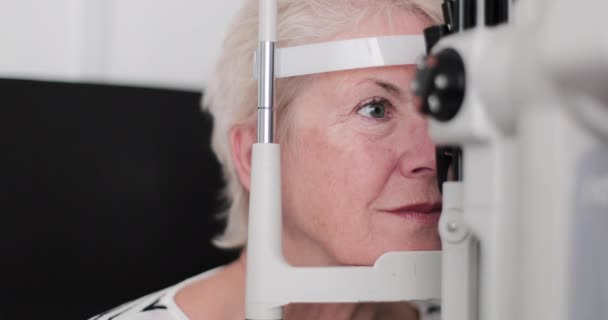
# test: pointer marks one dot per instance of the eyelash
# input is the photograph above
(387, 105)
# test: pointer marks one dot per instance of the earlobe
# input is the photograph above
(242, 139)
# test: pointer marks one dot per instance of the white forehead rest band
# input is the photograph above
(348, 54)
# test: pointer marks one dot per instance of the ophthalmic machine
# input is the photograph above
(517, 100)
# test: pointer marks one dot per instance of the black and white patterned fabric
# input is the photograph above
(156, 306)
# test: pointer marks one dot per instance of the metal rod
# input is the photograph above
(266, 92)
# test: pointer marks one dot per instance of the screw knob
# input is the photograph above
(440, 84)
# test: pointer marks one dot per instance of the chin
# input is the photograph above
(368, 256)
(431, 244)
(387, 235)
(429, 241)
(406, 235)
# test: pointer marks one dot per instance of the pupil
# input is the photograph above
(377, 110)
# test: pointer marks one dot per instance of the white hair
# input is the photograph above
(231, 96)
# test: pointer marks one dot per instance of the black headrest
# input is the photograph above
(109, 193)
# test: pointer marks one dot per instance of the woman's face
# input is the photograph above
(359, 176)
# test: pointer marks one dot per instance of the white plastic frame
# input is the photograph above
(346, 55)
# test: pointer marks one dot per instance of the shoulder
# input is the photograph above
(156, 306)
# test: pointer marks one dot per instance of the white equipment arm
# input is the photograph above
(533, 127)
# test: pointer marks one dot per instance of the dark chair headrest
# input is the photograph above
(110, 192)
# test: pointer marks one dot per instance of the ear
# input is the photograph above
(242, 139)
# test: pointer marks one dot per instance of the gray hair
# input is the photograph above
(231, 96)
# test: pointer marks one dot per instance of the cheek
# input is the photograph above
(348, 165)
(362, 167)
(330, 181)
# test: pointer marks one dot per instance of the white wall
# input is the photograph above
(167, 43)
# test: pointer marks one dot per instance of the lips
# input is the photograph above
(421, 207)
(423, 213)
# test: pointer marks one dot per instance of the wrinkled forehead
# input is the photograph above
(348, 55)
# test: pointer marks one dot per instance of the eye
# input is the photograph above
(376, 108)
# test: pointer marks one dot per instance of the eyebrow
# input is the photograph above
(391, 88)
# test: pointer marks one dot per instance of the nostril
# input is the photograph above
(423, 171)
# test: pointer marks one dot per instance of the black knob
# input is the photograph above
(440, 85)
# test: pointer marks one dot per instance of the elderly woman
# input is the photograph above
(359, 176)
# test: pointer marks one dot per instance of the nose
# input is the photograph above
(417, 160)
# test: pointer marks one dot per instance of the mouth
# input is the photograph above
(422, 212)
